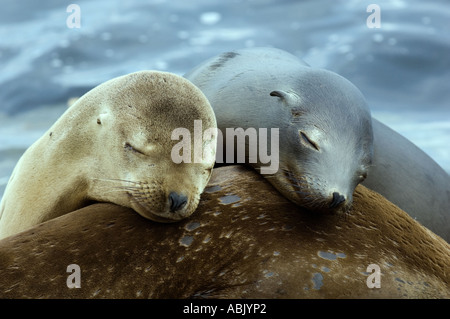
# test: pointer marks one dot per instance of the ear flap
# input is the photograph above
(101, 118)
(290, 97)
(281, 94)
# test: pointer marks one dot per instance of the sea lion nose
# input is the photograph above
(177, 201)
(337, 199)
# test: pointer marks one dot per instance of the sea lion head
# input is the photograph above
(327, 145)
(133, 127)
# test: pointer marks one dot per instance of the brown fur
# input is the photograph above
(244, 241)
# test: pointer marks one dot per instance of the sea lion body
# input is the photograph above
(114, 145)
(325, 133)
(244, 241)
(409, 178)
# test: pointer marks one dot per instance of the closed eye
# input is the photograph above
(307, 141)
(129, 147)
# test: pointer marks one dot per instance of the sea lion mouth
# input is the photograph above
(162, 216)
(337, 200)
(309, 193)
(149, 198)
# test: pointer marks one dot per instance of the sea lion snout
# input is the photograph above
(337, 200)
(177, 201)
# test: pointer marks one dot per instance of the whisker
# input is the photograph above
(130, 188)
(115, 180)
(111, 190)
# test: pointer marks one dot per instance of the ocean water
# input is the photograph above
(402, 67)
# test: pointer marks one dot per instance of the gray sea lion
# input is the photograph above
(114, 145)
(409, 178)
(325, 132)
(332, 151)
(244, 241)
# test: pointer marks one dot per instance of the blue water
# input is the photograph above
(403, 67)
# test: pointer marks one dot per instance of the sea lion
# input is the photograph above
(325, 131)
(409, 178)
(326, 144)
(244, 241)
(114, 145)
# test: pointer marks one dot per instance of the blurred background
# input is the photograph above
(402, 68)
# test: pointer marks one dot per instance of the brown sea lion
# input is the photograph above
(114, 145)
(244, 241)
